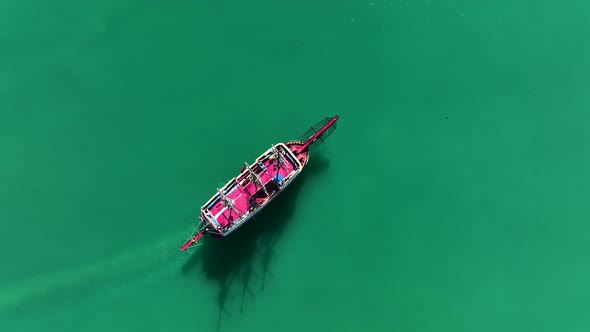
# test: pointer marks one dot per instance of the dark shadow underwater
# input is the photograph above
(245, 256)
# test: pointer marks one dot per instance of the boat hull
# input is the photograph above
(243, 197)
(253, 189)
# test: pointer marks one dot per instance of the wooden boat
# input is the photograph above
(245, 195)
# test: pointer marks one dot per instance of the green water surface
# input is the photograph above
(454, 195)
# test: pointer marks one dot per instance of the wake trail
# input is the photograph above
(157, 258)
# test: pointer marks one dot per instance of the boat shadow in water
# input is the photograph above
(242, 260)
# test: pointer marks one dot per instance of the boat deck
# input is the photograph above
(245, 194)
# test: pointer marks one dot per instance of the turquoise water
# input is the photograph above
(452, 197)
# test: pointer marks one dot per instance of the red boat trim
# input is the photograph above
(319, 133)
(193, 240)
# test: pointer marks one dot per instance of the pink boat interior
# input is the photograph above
(246, 194)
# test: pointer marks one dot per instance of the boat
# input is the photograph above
(258, 184)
